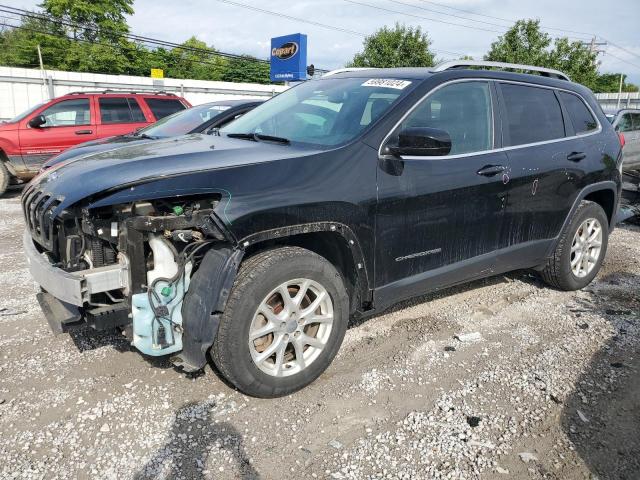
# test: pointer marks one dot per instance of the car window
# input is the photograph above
(463, 110)
(184, 121)
(636, 121)
(625, 124)
(163, 107)
(68, 113)
(580, 116)
(120, 110)
(325, 112)
(533, 114)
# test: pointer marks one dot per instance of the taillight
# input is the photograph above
(622, 140)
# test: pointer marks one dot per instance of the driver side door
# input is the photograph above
(68, 122)
(439, 218)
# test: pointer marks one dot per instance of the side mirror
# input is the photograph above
(37, 121)
(422, 141)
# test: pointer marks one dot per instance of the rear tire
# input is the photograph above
(304, 332)
(581, 249)
(5, 177)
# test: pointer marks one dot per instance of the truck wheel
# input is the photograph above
(284, 322)
(5, 176)
(581, 249)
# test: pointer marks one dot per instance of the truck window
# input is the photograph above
(463, 110)
(120, 110)
(163, 107)
(580, 116)
(533, 114)
(68, 113)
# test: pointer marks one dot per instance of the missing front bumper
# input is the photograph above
(74, 288)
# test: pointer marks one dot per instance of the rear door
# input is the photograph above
(437, 216)
(69, 121)
(119, 115)
(164, 106)
(546, 164)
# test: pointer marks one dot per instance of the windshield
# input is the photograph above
(25, 113)
(325, 112)
(183, 121)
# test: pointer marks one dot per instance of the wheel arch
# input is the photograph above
(332, 240)
(604, 194)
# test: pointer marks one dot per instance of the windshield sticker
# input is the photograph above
(387, 83)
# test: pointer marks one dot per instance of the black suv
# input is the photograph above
(333, 200)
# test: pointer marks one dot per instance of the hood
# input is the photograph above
(94, 146)
(138, 163)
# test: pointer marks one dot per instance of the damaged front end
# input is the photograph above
(159, 269)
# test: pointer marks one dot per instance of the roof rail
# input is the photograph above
(545, 72)
(109, 91)
(347, 69)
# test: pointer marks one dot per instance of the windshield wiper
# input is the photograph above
(146, 136)
(259, 136)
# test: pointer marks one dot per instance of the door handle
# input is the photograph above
(491, 170)
(84, 132)
(576, 156)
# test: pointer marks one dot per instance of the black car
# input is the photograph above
(201, 118)
(335, 199)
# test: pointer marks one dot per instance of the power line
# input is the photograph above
(311, 22)
(62, 36)
(132, 37)
(620, 48)
(622, 60)
(448, 14)
(418, 16)
(289, 17)
(509, 20)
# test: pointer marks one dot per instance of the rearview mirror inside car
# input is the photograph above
(37, 121)
(422, 141)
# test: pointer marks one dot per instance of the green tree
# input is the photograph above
(98, 19)
(246, 69)
(196, 60)
(523, 43)
(526, 43)
(610, 83)
(400, 46)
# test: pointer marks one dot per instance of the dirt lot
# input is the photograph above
(551, 389)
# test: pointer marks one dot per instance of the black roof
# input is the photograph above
(424, 73)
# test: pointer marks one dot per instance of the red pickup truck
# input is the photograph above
(31, 138)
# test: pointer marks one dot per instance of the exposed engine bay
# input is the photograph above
(148, 250)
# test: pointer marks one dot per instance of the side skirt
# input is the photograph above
(526, 255)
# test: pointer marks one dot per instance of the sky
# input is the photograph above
(236, 29)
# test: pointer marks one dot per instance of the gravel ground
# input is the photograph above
(501, 378)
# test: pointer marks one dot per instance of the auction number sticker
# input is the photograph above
(387, 83)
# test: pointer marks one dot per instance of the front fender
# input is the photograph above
(203, 304)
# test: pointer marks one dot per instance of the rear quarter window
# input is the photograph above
(163, 107)
(120, 110)
(533, 114)
(579, 114)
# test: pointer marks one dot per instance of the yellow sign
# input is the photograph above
(157, 73)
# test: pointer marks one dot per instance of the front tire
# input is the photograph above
(580, 250)
(285, 319)
(5, 177)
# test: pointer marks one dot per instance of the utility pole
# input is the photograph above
(619, 92)
(594, 46)
(42, 72)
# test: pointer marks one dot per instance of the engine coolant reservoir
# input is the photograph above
(159, 331)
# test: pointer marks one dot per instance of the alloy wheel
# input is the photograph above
(291, 327)
(586, 247)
